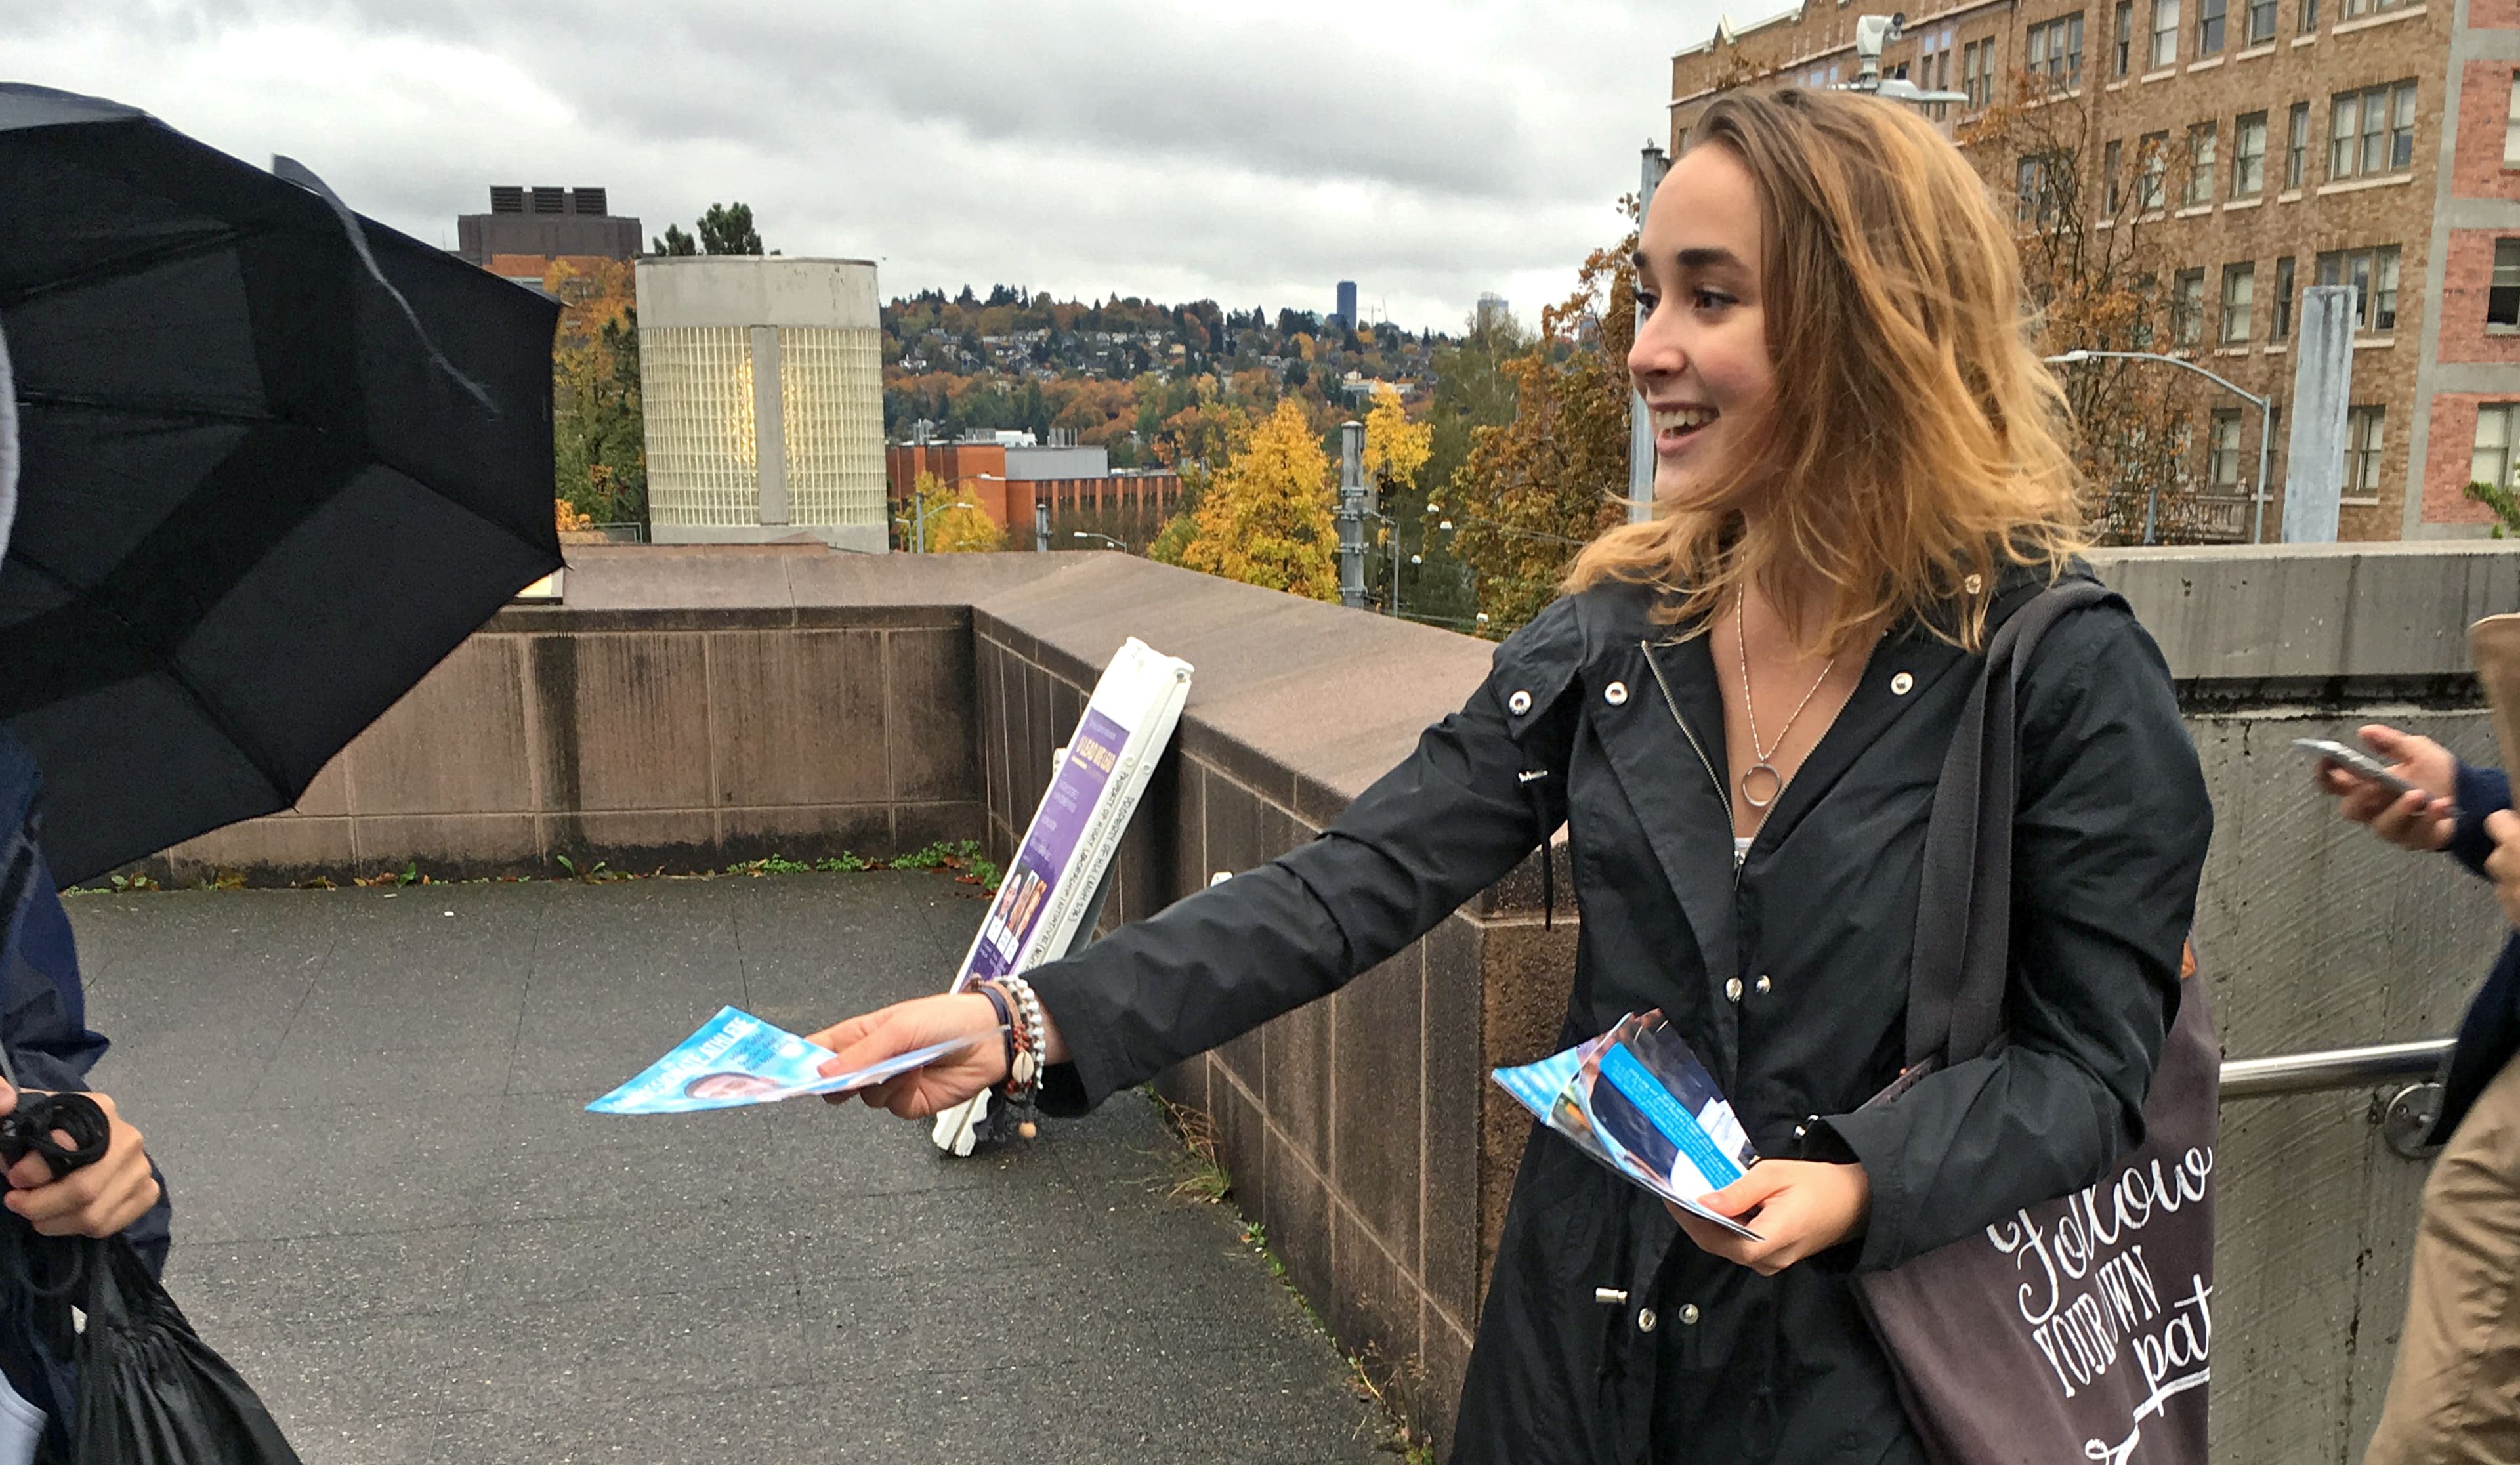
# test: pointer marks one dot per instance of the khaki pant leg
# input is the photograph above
(2455, 1394)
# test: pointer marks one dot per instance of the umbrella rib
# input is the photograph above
(162, 408)
(135, 263)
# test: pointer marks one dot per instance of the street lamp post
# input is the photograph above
(2266, 430)
(1105, 539)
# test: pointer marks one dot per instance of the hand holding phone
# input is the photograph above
(2354, 761)
(2399, 791)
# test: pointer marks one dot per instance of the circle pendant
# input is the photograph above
(1760, 785)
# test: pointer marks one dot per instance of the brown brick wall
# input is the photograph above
(2408, 42)
(2494, 15)
(2484, 108)
(2447, 465)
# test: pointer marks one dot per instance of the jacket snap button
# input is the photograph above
(1644, 1319)
(1732, 989)
(1518, 704)
(1763, 984)
(1901, 684)
(1615, 693)
(1689, 1315)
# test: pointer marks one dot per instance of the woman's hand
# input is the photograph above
(94, 1200)
(1798, 1207)
(864, 1041)
(2422, 820)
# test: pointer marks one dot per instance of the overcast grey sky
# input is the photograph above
(1251, 151)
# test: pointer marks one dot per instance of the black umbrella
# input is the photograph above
(276, 461)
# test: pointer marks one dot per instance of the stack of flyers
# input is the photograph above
(736, 1057)
(1638, 1101)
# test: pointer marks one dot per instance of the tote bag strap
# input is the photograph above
(1962, 953)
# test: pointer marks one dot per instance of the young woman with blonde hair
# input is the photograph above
(1739, 709)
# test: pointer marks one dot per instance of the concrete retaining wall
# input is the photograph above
(728, 703)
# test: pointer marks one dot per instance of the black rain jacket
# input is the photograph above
(1787, 972)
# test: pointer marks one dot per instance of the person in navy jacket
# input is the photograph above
(2454, 1393)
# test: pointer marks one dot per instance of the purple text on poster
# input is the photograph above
(1051, 844)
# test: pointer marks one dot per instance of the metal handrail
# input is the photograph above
(2338, 1067)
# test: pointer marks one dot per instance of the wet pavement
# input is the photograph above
(394, 1215)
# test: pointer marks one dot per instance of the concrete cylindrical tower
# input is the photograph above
(762, 380)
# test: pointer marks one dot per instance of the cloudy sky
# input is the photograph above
(1251, 150)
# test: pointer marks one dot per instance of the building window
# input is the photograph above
(2039, 181)
(2511, 129)
(2165, 33)
(2502, 300)
(2187, 307)
(2373, 274)
(2124, 55)
(2239, 295)
(2491, 461)
(2153, 150)
(1977, 73)
(2223, 450)
(2053, 48)
(2355, 8)
(2200, 164)
(2249, 155)
(2145, 292)
(2281, 327)
(2262, 22)
(2110, 159)
(2209, 26)
(2309, 16)
(2365, 434)
(2296, 144)
(2371, 131)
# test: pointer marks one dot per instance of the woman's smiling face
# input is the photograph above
(1701, 361)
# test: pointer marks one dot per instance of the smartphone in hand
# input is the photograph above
(2356, 764)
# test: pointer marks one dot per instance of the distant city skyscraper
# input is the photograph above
(1347, 304)
(1492, 311)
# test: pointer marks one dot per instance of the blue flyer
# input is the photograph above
(736, 1059)
(1638, 1101)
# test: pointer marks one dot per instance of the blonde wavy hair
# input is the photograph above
(1914, 438)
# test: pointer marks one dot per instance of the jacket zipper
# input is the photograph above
(1739, 854)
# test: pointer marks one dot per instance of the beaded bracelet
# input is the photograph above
(1024, 1076)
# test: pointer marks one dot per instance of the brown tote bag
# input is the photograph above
(2076, 1330)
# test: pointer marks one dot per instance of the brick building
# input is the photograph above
(2373, 143)
(528, 228)
(1006, 482)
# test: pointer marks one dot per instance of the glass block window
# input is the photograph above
(830, 405)
(695, 384)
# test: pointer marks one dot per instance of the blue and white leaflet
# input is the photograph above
(736, 1059)
(1638, 1101)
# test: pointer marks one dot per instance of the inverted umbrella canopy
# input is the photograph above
(267, 477)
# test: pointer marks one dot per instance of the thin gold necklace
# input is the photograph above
(1758, 792)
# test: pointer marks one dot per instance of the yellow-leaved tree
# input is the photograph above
(952, 526)
(1265, 519)
(1395, 447)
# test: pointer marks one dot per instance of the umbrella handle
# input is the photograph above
(29, 1130)
(291, 170)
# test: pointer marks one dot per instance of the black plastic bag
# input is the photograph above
(149, 1391)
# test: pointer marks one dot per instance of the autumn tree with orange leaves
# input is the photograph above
(1535, 489)
(598, 437)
